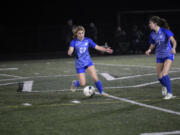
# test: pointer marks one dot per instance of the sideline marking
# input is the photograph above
(140, 85)
(14, 79)
(3, 69)
(9, 75)
(163, 133)
(5, 84)
(141, 104)
(109, 77)
(37, 77)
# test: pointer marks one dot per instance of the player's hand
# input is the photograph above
(70, 51)
(70, 54)
(148, 52)
(109, 50)
(173, 51)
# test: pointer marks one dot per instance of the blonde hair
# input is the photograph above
(76, 29)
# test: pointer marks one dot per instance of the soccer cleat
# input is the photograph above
(168, 96)
(73, 88)
(164, 91)
(104, 94)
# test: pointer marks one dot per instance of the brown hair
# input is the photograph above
(159, 21)
(76, 29)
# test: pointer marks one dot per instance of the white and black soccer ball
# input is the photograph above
(89, 91)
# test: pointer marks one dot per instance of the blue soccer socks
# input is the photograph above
(168, 83)
(165, 81)
(76, 83)
(99, 86)
(161, 80)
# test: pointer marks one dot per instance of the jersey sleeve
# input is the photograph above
(169, 33)
(72, 44)
(151, 41)
(92, 44)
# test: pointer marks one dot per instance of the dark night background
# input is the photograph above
(36, 26)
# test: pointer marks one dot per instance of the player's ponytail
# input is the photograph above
(164, 23)
(76, 29)
(160, 21)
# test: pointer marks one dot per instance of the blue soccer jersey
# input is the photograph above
(81, 49)
(162, 42)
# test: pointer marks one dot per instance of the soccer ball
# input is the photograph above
(89, 91)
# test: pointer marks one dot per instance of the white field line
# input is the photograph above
(9, 75)
(109, 77)
(139, 85)
(14, 79)
(22, 78)
(133, 86)
(55, 90)
(141, 66)
(5, 84)
(39, 91)
(163, 133)
(141, 104)
(3, 69)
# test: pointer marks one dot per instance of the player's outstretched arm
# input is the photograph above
(103, 49)
(150, 49)
(70, 51)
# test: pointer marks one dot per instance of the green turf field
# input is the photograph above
(135, 105)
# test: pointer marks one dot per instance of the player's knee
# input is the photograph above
(83, 83)
(95, 79)
(163, 73)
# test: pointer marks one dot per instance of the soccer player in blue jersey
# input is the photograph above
(79, 47)
(163, 40)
